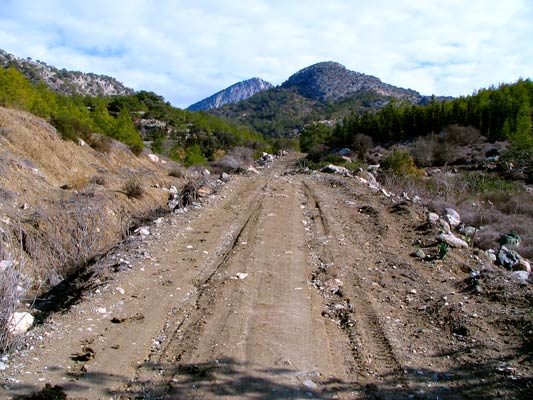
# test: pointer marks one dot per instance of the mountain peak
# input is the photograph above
(329, 80)
(232, 94)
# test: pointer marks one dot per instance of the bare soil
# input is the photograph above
(332, 307)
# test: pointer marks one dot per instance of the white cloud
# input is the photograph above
(187, 50)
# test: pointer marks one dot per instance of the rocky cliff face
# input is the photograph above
(233, 94)
(330, 81)
(63, 81)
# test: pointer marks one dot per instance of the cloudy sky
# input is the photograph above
(186, 50)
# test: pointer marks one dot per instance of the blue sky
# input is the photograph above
(188, 50)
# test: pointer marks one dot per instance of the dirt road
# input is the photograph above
(283, 286)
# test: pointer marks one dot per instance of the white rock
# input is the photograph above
(371, 179)
(252, 170)
(452, 240)
(452, 217)
(173, 190)
(522, 275)
(3, 366)
(241, 275)
(142, 231)
(6, 264)
(101, 310)
(387, 194)
(433, 218)
(20, 322)
(334, 169)
(310, 384)
(153, 157)
(120, 290)
(445, 225)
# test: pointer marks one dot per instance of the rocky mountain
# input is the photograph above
(323, 91)
(63, 81)
(233, 94)
(330, 81)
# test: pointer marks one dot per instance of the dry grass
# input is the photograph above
(489, 203)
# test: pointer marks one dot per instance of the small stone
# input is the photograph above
(142, 231)
(310, 384)
(204, 191)
(3, 366)
(6, 264)
(522, 275)
(120, 290)
(333, 285)
(433, 218)
(419, 254)
(20, 322)
(452, 240)
(445, 225)
(452, 217)
(241, 275)
(101, 310)
(224, 177)
(412, 291)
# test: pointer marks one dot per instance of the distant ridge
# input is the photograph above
(63, 81)
(330, 80)
(232, 94)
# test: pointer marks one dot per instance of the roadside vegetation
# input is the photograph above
(473, 153)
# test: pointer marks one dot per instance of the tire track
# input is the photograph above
(372, 353)
(184, 329)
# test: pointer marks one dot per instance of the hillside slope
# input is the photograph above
(63, 81)
(49, 186)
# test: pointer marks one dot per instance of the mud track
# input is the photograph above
(285, 286)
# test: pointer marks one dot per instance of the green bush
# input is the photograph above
(194, 156)
(334, 159)
(70, 127)
(401, 163)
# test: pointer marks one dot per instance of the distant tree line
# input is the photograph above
(500, 113)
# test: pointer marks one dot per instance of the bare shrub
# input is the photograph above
(177, 173)
(189, 192)
(58, 244)
(99, 142)
(423, 150)
(460, 135)
(237, 160)
(133, 189)
(361, 145)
